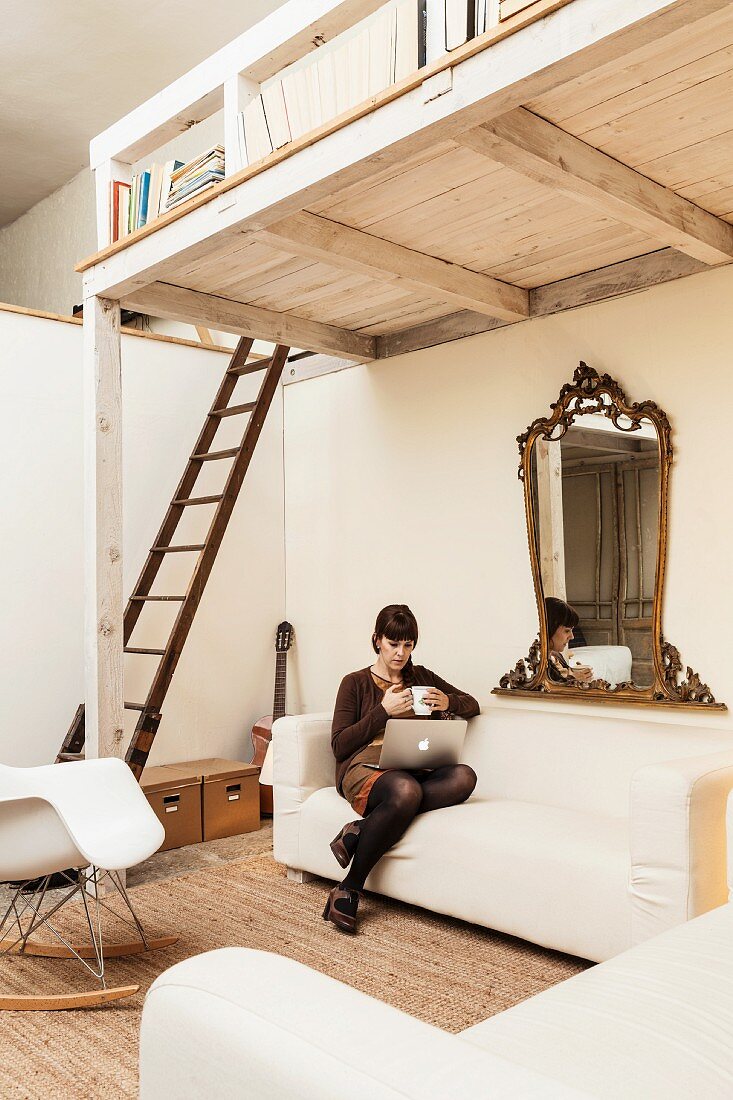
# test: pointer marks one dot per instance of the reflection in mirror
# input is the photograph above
(596, 477)
(595, 498)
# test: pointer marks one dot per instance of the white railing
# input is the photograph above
(256, 74)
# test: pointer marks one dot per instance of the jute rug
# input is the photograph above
(441, 970)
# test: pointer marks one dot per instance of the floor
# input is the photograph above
(195, 857)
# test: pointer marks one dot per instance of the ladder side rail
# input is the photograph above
(148, 723)
(175, 511)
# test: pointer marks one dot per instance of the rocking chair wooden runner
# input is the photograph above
(89, 815)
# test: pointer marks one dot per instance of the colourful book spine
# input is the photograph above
(144, 193)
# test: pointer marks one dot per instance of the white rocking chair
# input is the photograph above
(89, 816)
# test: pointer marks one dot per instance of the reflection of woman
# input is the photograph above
(562, 619)
(387, 800)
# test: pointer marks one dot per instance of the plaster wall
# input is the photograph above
(401, 486)
(224, 681)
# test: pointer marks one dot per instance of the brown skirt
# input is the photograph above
(361, 799)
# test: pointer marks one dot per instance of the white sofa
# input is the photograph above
(586, 833)
(655, 1023)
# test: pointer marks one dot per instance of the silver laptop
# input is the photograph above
(413, 743)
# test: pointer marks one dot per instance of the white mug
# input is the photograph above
(418, 705)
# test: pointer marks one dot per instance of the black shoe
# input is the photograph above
(343, 914)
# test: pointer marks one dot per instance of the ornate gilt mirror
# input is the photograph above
(596, 478)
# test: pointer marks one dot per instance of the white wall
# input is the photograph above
(38, 251)
(224, 681)
(402, 487)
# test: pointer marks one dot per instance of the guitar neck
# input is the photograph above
(281, 668)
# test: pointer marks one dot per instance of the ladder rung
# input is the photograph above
(234, 410)
(210, 456)
(197, 500)
(250, 368)
(134, 706)
(177, 549)
(66, 757)
(157, 599)
(135, 649)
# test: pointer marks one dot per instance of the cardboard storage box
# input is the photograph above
(174, 792)
(230, 798)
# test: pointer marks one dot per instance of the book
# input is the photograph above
(169, 168)
(119, 209)
(456, 23)
(295, 91)
(142, 216)
(256, 134)
(327, 85)
(358, 61)
(406, 40)
(380, 51)
(276, 114)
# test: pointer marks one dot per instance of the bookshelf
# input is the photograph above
(278, 93)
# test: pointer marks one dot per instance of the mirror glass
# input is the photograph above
(595, 498)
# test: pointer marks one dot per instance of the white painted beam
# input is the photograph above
(289, 33)
(342, 246)
(192, 307)
(543, 152)
(573, 40)
(103, 603)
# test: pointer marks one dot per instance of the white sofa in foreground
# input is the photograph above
(655, 1023)
(586, 833)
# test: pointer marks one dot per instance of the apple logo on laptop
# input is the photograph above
(424, 745)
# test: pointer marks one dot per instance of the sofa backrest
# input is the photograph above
(578, 760)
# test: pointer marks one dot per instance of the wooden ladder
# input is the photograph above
(150, 711)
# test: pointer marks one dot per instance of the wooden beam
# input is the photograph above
(341, 246)
(193, 307)
(543, 152)
(613, 281)
(103, 604)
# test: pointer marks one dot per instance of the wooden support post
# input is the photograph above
(550, 524)
(103, 606)
(238, 92)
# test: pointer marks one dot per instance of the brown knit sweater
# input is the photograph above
(359, 717)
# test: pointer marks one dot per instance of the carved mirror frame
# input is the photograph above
(599, 393)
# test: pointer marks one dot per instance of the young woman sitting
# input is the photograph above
(562, 619)
(386, 800)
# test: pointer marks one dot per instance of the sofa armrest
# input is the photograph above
(303, 762)
(678, 841)
(237, 1022)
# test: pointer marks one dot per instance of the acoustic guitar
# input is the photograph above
(262, 729)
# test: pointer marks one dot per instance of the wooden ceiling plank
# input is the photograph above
(530, 145)
(340, 245)
(191, 306)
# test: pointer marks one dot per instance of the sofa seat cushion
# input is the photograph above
(655, 1023)
(555, 876)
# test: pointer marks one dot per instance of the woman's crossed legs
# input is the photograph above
(394, 800)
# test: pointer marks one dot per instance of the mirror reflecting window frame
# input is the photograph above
(590, 392)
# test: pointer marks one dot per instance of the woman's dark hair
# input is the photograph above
(559, 614)
(397, 623)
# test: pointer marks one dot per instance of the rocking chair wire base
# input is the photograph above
(26, 915)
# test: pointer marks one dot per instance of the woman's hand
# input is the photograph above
(436, 699)
(397, 701)
(583, 673)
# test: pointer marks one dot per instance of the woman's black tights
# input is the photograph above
(394, 800)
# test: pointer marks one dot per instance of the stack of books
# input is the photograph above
(194, 177)
(135, 204)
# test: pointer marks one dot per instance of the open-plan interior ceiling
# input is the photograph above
(72, 67)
